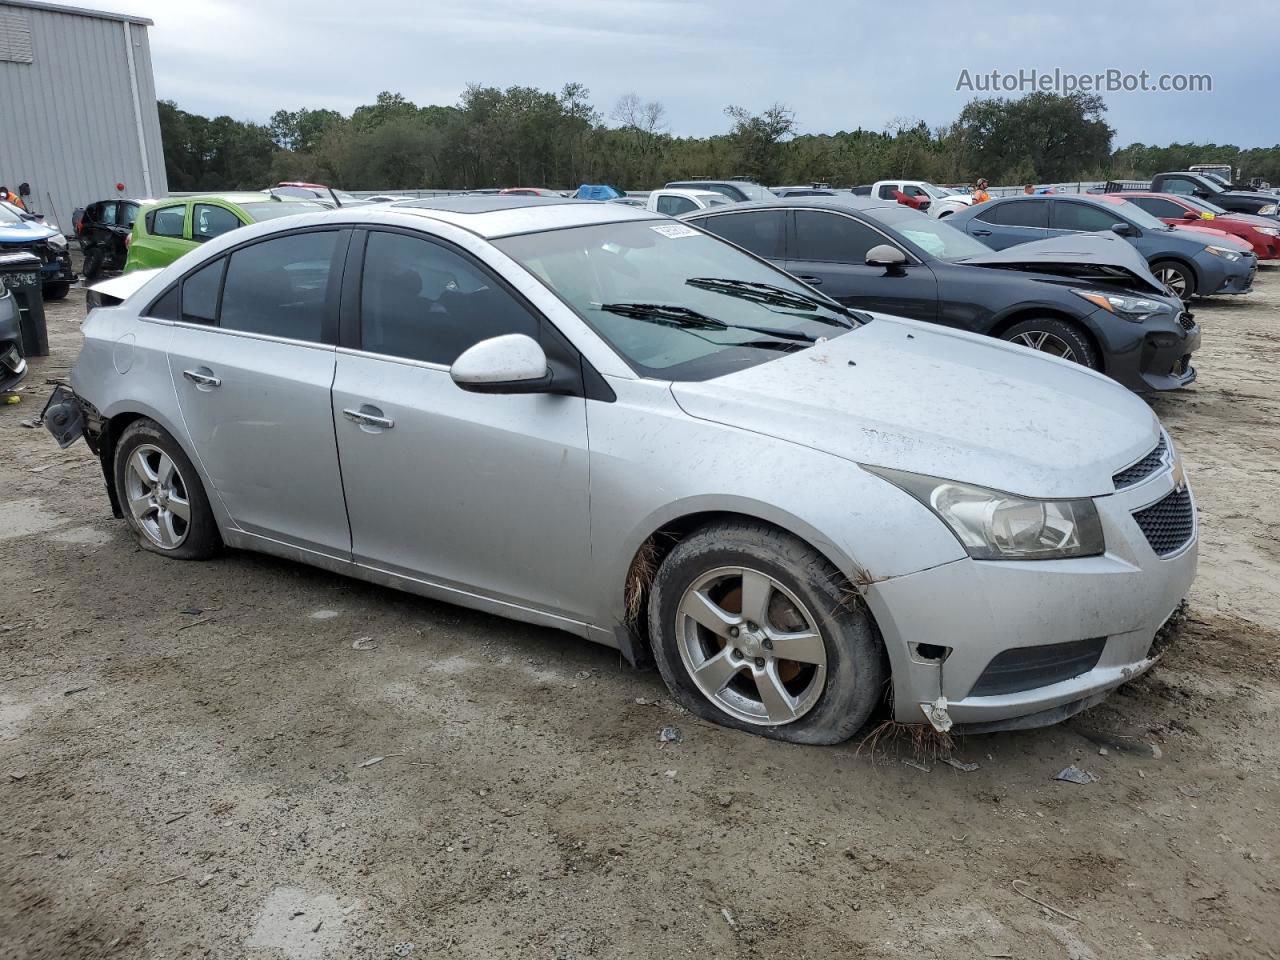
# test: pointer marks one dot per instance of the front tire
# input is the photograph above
(57, 291)
(1179, 278)
(754, 629)
(1056, 338)
(161, 495)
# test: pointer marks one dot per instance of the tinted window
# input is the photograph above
(200, 293)
(832, 237)
(1158, 207)
(278, 287)
(165, 306)
(422, 301)
(128, 214)
(1082, 216)
(1179, 185)
(672, 206)
(1019, 213)
(167, 221)
(887, 191)
(208, 221)
(759, 232)
(107, 213)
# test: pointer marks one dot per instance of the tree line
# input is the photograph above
(522, 136)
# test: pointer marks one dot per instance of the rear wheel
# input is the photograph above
(57, 291)
(1056, 338)
(1179, 279)
(161, 494)
(754, 629)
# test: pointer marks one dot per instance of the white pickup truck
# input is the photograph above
(942, 202)
(675, 202)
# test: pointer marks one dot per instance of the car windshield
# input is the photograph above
(933, 190)
(674, 302)
(935, 237)
(9, 214)
(1135, 214)
(280, 208)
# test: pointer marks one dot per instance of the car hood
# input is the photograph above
(1248, 195)
(25, 232)
(910, 396)
(1247, 219)
(1085, 255)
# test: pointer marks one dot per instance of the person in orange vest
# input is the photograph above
(7, 195)
(980, 194)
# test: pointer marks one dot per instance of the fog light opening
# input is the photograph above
(930, 652)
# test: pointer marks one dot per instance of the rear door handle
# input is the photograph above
(202, 379)
(366, 417)
(981, 233)
(812, 281)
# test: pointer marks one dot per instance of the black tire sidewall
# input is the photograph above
(1187, 275)
(855, 662)
(55, 291)
(203, 540)
(1059, 328)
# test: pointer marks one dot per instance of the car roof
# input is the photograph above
(495, 215)
(839, 202)
(242, 197)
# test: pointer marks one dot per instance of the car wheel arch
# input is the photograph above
(1180, 261)
(653, 549)
(1022, 313)
(114, 426)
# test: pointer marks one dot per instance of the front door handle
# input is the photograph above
(368, 416)
(980, 233)
(201, 379)
(812, 281)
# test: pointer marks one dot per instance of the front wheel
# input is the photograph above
(753, 629)
(57, 291)
(1178, 278)
(1056, 338)
(161, 494)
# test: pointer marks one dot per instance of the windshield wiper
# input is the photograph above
(685, 318)
(767, 293)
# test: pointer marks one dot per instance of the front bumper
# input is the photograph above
(1150, 356)
(980, 609)
(1231, 277)
(55, 265)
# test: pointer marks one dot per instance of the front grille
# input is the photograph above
(1168, 524)
(1025, 668)
(1144, 468)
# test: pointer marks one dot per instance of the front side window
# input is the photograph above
(1158, 207)
(107, 215)
(675, 303)
(1083, 216)
(937, 238)
(208, 221)
(1179, 185)
(128, 214)
(422, 301)
(278, 287)
(832, 237)
(759, 231)
(167, 221)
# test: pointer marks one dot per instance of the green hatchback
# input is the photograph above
(166, 230)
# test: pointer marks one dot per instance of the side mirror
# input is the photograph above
(1124, 229)
(1191, 215)
(513, 363)
(891, 258)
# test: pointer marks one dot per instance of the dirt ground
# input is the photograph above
(196, 762)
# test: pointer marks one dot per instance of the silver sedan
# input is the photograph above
(584, 416)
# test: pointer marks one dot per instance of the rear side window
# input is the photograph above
(279, 287)
(200, 293)
(167, 221)
(1020, 213)
(887, 191)
(128, 214)
(672, 206)
(832, 237)
(422, 301)
(1179, 185)
(208, 221)
(759, 232)
(1082, 216)
(107, 213)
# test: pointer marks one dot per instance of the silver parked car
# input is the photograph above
(584, 416)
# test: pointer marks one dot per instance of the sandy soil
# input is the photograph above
(187, 760)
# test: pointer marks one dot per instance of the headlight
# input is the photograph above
(1268, 210)
(1269, 231)
(1135, 309)
(992, 525)
(58, 242)
(1222, 252)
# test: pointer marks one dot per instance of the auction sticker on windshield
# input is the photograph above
(674, 230)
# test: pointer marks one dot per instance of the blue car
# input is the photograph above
(1183, 259)
(22, 232)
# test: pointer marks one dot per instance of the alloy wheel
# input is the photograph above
(1174, 279)
(1046, 343)
(157, 496)
(751, 646)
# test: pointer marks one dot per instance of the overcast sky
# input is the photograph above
(839, 64)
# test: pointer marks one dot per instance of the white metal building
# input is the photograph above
(77, 107)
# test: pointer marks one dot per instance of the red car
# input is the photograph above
(1260, 233)
(530, 192)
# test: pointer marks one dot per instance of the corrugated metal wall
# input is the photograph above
(67, 120)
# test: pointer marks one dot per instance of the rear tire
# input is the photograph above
(161, 495)
(823, 694)
(57, 291)
(1177, 276)
(1058, 338)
